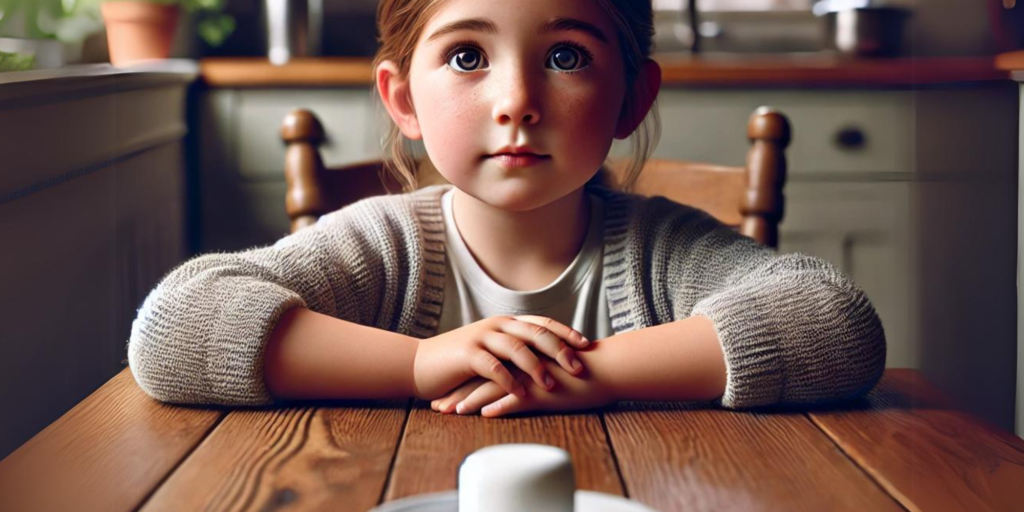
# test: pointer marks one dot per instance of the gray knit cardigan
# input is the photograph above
(794, 329)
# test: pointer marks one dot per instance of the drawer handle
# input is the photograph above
(851, 137)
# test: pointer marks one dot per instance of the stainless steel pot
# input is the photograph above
(294, 29)
(866, 32)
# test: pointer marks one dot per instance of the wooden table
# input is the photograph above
(902, 447)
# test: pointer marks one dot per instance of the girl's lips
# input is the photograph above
(518, 159)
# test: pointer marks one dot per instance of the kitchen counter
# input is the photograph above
(84, 80)
(93, 195)
(813, 71)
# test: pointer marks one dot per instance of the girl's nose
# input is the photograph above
(516, 104)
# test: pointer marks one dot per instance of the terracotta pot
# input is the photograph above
(138, 31)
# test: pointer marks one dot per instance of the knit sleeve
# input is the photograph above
(199, 336)
(794, 329)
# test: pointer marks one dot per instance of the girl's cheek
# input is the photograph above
(452, 136)
(593, 111)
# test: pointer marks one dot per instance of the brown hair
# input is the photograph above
(400, 23)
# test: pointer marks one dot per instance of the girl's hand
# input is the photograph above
(573, 393)
(450, 359)
(447, 403)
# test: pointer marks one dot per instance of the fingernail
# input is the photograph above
(549, 382)
(576, 365)
(490, 408)
(460, 408)
(585, 340)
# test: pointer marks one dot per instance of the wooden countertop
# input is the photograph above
(678, 70)
(1013, 61)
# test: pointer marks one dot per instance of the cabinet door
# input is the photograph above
(862, 229)
(346, 115)
(242, 156)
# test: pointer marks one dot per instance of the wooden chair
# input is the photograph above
(748, 198)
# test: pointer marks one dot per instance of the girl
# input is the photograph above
(425, 293)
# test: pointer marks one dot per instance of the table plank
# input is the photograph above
(927, 453)
(676, 457)
(441, 441)
(106, 454)
(296, 459)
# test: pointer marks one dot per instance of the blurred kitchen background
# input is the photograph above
(902, 170)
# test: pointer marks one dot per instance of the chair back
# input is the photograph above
(748, 198)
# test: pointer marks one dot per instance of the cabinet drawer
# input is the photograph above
(833, 131)
(347, 117)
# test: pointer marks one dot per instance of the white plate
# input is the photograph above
(586, 501)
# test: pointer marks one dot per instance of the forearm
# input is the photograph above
(314, 356)
(678, 361)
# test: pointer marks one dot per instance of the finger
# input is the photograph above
(514, 349)
(545, 341)
(509, 404)
(489, 367)
(571, 336)
(447, 403)
(481, 396)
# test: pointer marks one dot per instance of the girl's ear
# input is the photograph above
(397, 99)
(644, 92)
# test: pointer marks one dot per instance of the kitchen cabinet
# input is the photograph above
(92, 214)
(1014, 62)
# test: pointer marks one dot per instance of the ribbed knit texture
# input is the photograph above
(794, 329)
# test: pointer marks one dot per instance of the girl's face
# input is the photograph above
(541, 78)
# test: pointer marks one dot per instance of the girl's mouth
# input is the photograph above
(514, 160)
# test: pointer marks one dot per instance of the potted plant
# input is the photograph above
(144, 29)
(43, 30)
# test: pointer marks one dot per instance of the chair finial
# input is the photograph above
(302, 126)
(766, 123)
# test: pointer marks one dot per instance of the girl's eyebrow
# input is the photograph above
(474, 24)
(573, 24)
(559, 24)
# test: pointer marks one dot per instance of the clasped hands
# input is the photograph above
(462, 371)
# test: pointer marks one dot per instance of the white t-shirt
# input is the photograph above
(576, 298)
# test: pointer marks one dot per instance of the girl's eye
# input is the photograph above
(466, 60)
(567, 58)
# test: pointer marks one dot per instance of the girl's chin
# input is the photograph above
(513, 195)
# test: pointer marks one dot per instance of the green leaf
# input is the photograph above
(216, 28)
(210, 5)
(16, 62)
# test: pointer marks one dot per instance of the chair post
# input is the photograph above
(302, 134)
(764, 202)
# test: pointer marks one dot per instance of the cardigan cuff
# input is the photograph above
(752, 349)
(234, 361)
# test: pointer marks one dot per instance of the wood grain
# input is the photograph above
(106, 454)
(295, 459)
(677, 457)
(435, 444)
(677, 71)
(926, 453)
